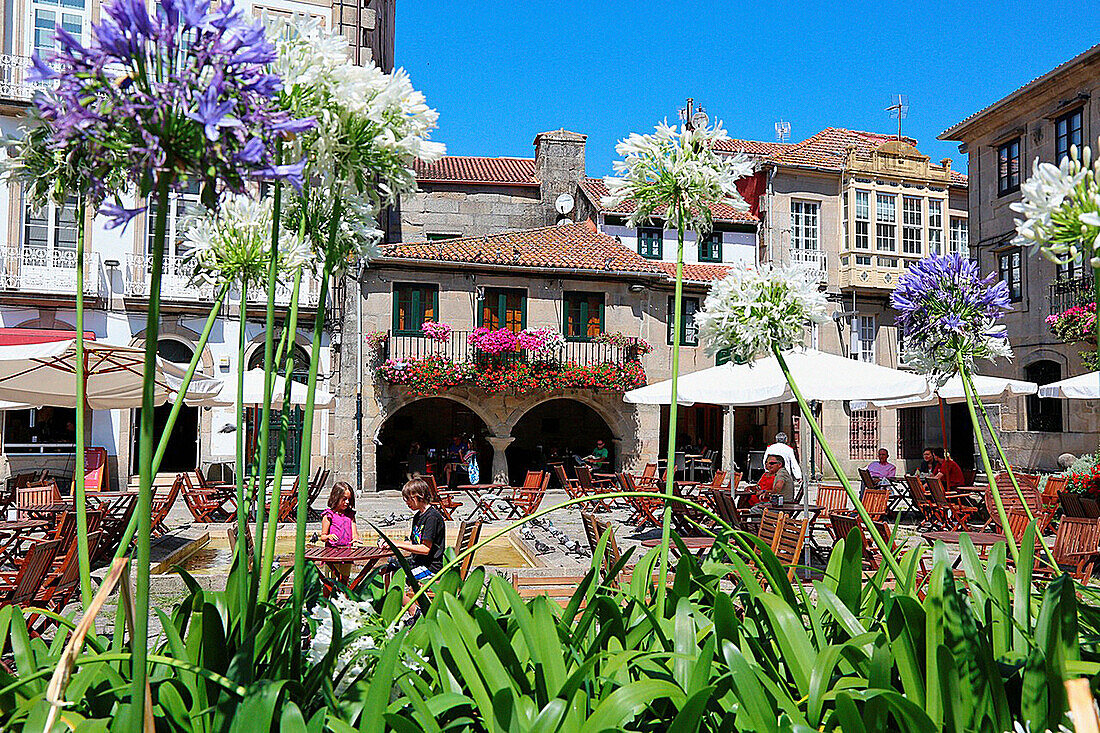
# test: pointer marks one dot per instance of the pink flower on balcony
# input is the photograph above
(436, 331)
(540, 341)
(501, 341)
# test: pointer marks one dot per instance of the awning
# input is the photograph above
(19, 336)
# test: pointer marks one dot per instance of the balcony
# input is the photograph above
(48, 270)
(13, 84)
(870, 272)
(175, 281)
(815, 258)
(1068, 293)
(308, 294)
(459, 350)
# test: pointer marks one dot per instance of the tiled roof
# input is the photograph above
(959, 179)
(697, 273)
(1085, 56)
(754, 148)
(572, 246)
(828, 149)
(595, 189)
(470, 169)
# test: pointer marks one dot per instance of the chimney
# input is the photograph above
(559, 167)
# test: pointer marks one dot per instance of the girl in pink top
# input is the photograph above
(338, 523)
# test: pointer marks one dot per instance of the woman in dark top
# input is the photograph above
(428, 537)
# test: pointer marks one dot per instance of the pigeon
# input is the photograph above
(571, 545)
(542, 548)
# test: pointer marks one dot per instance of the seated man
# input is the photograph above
(882, 468)
(597, 459)
(949, 472)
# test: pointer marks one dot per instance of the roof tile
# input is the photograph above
(595, 189)
(472, 169)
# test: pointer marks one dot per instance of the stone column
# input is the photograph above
(500, 461)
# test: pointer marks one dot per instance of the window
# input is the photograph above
(1071, 270)
(1008, 167)
(440, 236)
(863, 219)
(503, 308)
(49, 235)
(847, 226)
(863, 338)
(863, 435)
(863, 259)
(413, 305)
(1011, 270)
(46, 14)
(804, 225)
(688, 335)
(583, 315)
(710, 248)
(1067, 133)
(44, 430)
(910, 432)
(959, 237)
(650, 240)
(180, 205)
(886, 233)
(935, 226)
(911, 215)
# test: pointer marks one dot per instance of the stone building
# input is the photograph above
(1041, 120)
(38, 276)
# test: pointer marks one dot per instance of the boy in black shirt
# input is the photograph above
(429, 533)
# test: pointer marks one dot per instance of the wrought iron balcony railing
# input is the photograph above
(458, 349)
(50, 270)
(1070, 292)
(13, 79)
(812, 257)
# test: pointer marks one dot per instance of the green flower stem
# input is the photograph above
(269, 376)
(722, 525)
(240, 550)
(673, 410)
(140, 640)
(986, 465)
(83, 556)
(307, 429)
(1096, 303)
(967, 378)
(267, 546)
(880, 542)
(177, 404)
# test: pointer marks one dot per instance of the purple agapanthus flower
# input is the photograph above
(948, 312)
(184, 92)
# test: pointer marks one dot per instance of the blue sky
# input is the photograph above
(500, 72)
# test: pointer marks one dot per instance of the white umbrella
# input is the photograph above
(952, 392)
(254, 393)
(819, 376)
(43, 375)
(1081, 387)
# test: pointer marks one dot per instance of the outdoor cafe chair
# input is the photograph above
(589, 486)
(569, 485)
(443, 500)
(643, 507)
(875, 501)
(832, 499)
(161, 506)
(931, 516)
(468, 535)
(207, 505)
(1011, 500)
(313, 491)
(1075, 549)
(648, 477)
(44, 493)
(1049, 500)
(116, 516)
(954, 512)
(1078, 505)
(789, 541)
(525, 500)
(20, 587)
(725, 506)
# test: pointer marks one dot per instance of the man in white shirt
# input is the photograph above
(784, 451)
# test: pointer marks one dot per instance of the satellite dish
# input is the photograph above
(699, 120)
(562, 221)
(564, 203)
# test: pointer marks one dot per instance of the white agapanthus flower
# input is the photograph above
(1060, 205)
(234, 243)
(678, 175)
(752, 310)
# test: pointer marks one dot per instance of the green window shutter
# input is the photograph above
(602, 329)
(435, 304)
(396, 308)
(522, 310)
(671, 335)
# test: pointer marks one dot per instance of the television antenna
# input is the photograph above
(899, 107)
(782, 131)
(692, 117)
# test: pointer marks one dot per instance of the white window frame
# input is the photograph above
(912, 215)
(886, 228)
(935, 226)
(960, 235)
(863, 217)
(864, 332)
(178, 203)
(69, 14)
(805, 225)
(51, 253)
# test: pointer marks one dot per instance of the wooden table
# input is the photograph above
(368, 557)
(475, 491)
(699, 544)
(11, 531)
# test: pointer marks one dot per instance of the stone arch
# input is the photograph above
(48, 320)
(556, 429)
(428, 422)
(171, 330)
(256, 345)
(618, 421)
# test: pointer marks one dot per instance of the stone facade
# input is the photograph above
(1025, 126)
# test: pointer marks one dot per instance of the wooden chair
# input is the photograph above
(20, 587)
(642, 506)
(930, 513)
(771, 527)
(735, 482)
(589, 486)
(1076, 549)
(648, 477)
(569, 485)
(161, 506)
(875, 502)
(1078, 505)
(1049, 500)
(95, 469)
(444, 500)
(1011, 500)
(789, 542)
(314, 489)
(867, 479)
(249, 542)
(832, 499)
(953, 511)
(726, 507)
(116, 516)
(525, 500)
(468, 535)
(594, 530)
(205, 504)
(688, 520)
(36, 494)
(63, 583)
